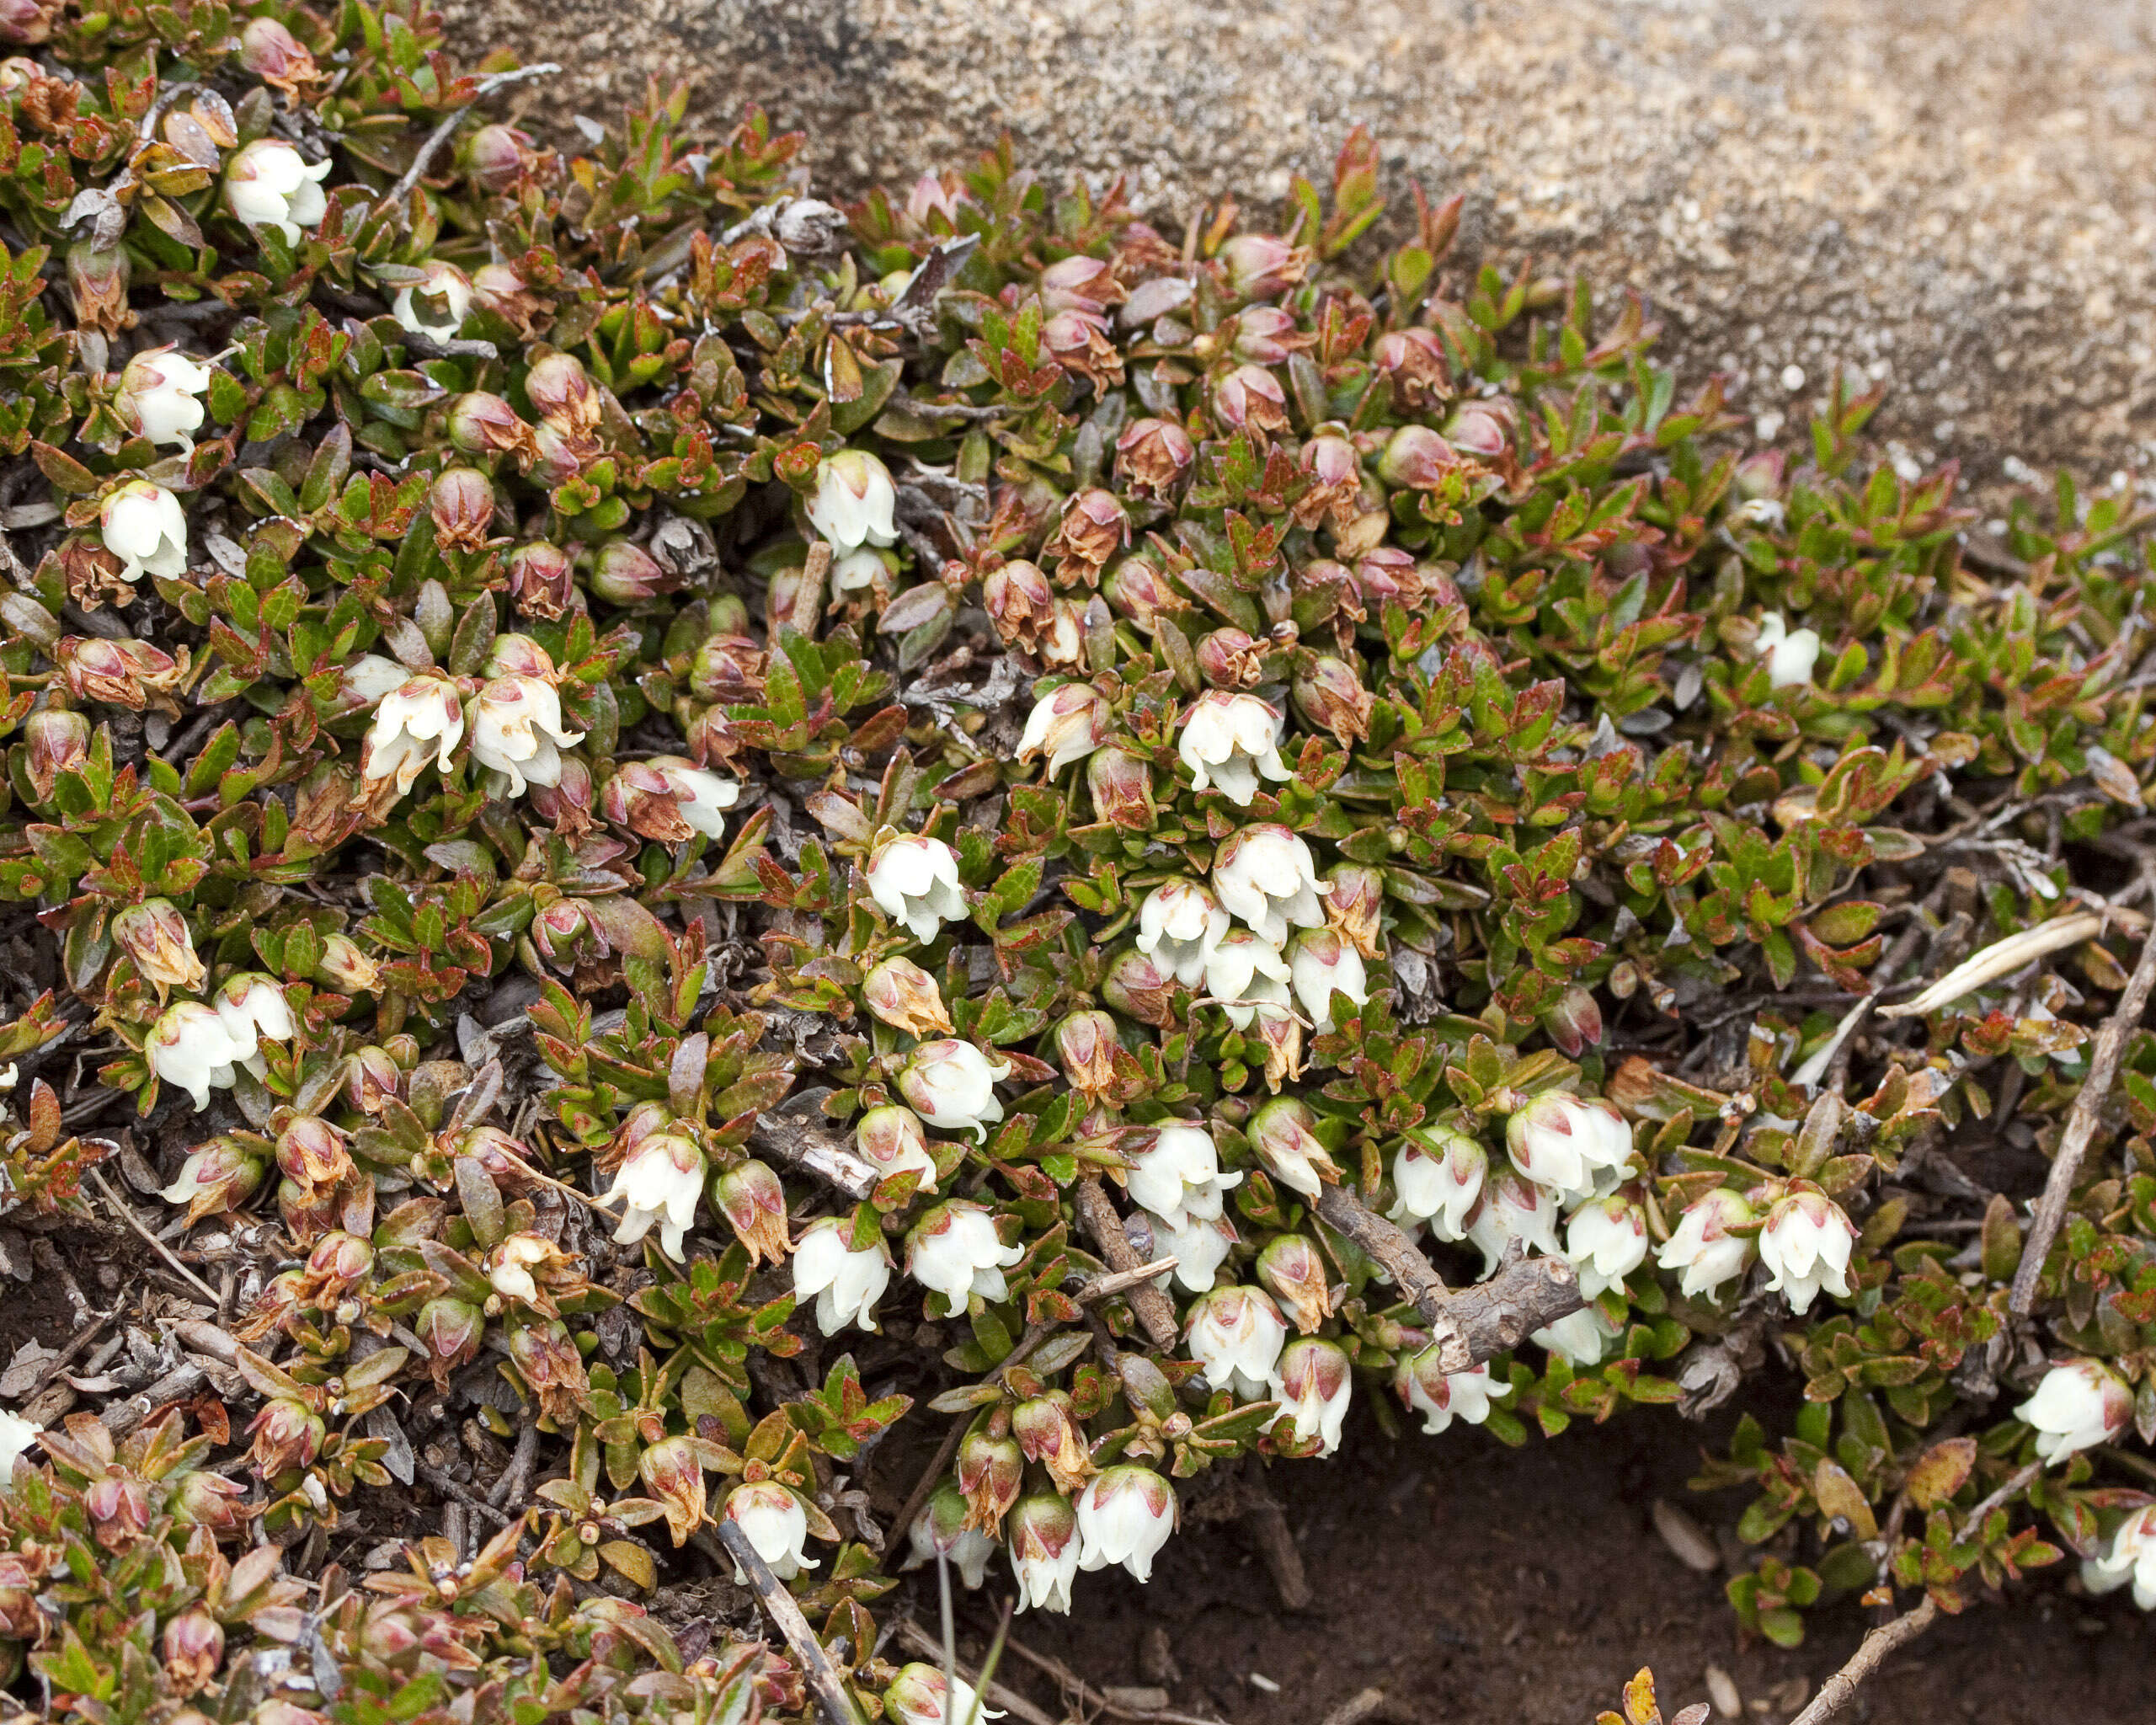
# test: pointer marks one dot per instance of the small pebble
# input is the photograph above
(1721, 1689)
(1264, 1684)
(1686, 1539)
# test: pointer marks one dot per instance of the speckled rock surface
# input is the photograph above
(1959, 195)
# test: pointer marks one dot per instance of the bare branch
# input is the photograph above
(817, 1671)
(1103, 1227)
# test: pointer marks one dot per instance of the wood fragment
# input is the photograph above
(1103, 1227)
(815, 1150)
(2081, 1123)
(1266, 1524)
(1471, 1324)
(1357, 1707)
(156, 1245)
(2001, 958)
(1122, 1281)
(122, 1418)
(1836, 1691)
(817, 1671)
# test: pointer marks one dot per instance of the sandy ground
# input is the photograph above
(1958, 195)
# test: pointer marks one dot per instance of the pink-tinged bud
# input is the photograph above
(1353, 896)
(345, 968)
(1314, 1385)
(200, 1499)
(313, 1152)
(499, 156)
(1326, 591)
(1093, 528)
(287, 1434)
(372, 1079)
(1251, 398)
(891, 1138)
(26, 22)
(308, 1212)
(1162, 298)
(1389, 575)
(904, 996)
(124, 673)
(1261, 267)
(570, 798)
(1140, 985)
(1047, 1429)
(118, 1507)
(1414, 360)
(98, 277)
(990, 1469)
(1019, 601)
(1266, 335)
(754, 1202)
(547, 1360)
(1080, 284)
(673, 1473)
(1141, 593)
(1330, 693)
(625, 574)
(339, 1264)
(500, 289)
(1332, 460)
(1086, 1048)
(1295, 1274)
(217, 1177)
(1153, 455)
(561, 392)
(155, 935)
(1231, 659)
(1066, 725)
(1483, 429)
(1575, 1023)
(1121, 785)
(461, 504)
(1418, 458)
(450, 1331)
(728, 668)
(931, 198)
(1078, 341)
(1762, 478)
(193, 1640)
(481, 424)
(1281, 1134)
(58, 741)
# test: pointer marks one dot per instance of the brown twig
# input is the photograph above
(440, 134)
(817, 1671)
(1267, 1523)
(1471, 1325)
(121, 1418)
(817, 1150)
(450, 1488)
(1106, 1287)
(1103, 1227)
(83, 1338)
(2080, 1129)
(156, 1245)
(1835, 1693)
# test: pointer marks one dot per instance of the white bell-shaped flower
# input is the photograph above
(252, 1007)
(1229, 739)
(1178, 926)
(1237, 1335)
(189, 1046)
(1425, 1387)
(1265, 875)
(1606, 1240)
(269, 184)
(517, 729)
(1243, 972)
(1571, 1143)
(2079, 1403)
(1066, 725)
(1703, 1244)
(1125, 1515)
(17, 1434)
(1044, 1550)
(854, 502)
(845, 1282)
(1313, 1383)
(423, 716)
(1790, 656)
(436, 307)
(954, 1251)
(145, 527)
(1320, 962)
(700, 795)
(2130, 1556)
(1806, 1245)
(1437, 1178)
(158, 389)
(915, 880)
(1513, 1208)
(660, 1181)
(1580, 1339)
(951, 1085)
(776, 1525)
(1198, 1247)
(1179, 1174)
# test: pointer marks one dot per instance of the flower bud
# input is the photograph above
(1266, 335)
(118, 1507)
(1093, 528)
(753, 1203)
(1229, 659)
(904, 996)
(1045, 1551)
(155, 935)
(673, 1474)
(1121, 785)
(541, 579)
(372, 1079)
(728, 668)
(1085, 1048)
(1330, 693)
(1416, 458)
(1281, 1135)
(561, 392)
(1414, 360)
(461, 504)
(499, 156)
(892, 1138)
(990, 1471)
(1079, 284)
(1047, 1429)
(1152, 457)
(193, 1643)
(1251, 398)
(1295, 1274)
(1260, 266)
(449, 1330)
(1139, 591)
(505, 293)
(97, 280)
(57, 740)
(1138, 984)
(1078, 341)
(553, 1369)
(345, 968)
(274, 55)
(1062, 641)
(625, 574)
(26, 22)
(287, 1434)
(217, 1177)
(200, 1499)
(1019, 601)
(313, 1152)
(481, 424)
